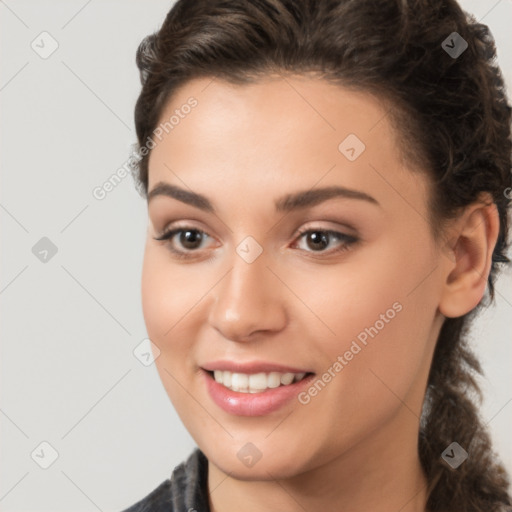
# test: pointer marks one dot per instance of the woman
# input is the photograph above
(327, 186)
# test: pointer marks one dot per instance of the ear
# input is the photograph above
(469, 264)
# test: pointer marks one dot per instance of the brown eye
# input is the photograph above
(188, 241)
(189, 238)
(319, 239)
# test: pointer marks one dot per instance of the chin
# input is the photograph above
(261, 471)
(273, 463)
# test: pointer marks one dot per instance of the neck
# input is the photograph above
(382, 474)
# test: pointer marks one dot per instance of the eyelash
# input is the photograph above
(348, 240)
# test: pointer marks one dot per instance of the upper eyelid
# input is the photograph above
(300, 231)
(346, 227)
(174, 230)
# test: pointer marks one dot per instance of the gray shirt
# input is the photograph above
(185, 491)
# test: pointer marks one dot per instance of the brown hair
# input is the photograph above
(454, 118)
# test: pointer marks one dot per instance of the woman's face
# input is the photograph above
(276, 275)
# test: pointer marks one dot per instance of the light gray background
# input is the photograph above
(69, 326)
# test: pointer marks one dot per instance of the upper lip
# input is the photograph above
(251, 367)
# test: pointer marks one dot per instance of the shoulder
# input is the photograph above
(186, 489)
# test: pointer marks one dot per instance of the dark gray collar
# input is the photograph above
(185, 491)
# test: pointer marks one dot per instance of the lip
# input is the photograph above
(253, 404)
(251, 367)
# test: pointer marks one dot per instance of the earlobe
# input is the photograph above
(468, 268)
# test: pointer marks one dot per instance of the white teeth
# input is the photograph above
(240, 380)
(287, 378)
(256, 382)
(274, 380)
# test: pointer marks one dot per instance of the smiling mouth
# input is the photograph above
(256, 382)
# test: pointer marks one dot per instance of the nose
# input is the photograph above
(248, 300)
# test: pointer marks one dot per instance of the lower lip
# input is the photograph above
(253, 404)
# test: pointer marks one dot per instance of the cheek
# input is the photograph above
(380, 310)
(166, 299)
(156, 299)
(350, 296)
(167, 296)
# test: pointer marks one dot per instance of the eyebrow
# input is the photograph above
(287, 203)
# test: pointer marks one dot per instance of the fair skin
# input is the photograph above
(353, 446)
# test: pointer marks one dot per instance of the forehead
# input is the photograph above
(279, 130)
(290, 108)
